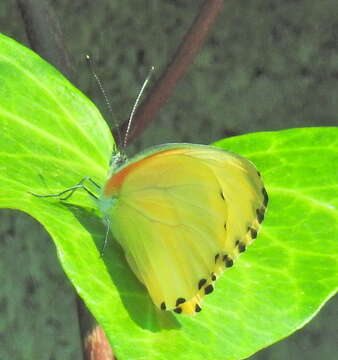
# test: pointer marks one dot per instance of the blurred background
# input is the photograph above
(266, 65)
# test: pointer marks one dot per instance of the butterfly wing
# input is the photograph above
(182, 215)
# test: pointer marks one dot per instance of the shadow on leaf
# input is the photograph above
(133, 294)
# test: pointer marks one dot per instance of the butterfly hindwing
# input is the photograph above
(182, 215)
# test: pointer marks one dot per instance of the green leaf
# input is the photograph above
(52, 136)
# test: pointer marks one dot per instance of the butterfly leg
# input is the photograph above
(93, 182)
(80, 185)
(107, 223)
(70, 191)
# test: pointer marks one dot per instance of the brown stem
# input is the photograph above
(44, 33)
(184, 56)
(97, 346)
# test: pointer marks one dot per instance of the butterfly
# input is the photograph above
(182, 214)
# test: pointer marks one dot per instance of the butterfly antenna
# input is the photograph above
(100, 86)
(131, 117)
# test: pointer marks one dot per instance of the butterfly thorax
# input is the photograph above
(108, 197)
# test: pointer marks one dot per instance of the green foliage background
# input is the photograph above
(268, 65)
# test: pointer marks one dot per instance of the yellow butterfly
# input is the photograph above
(182, 214)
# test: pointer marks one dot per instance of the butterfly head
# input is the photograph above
(117, 160)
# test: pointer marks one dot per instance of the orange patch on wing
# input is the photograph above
(113, 185)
